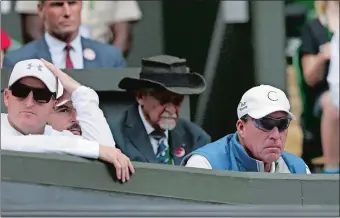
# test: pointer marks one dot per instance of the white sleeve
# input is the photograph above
(91, 118)
(198, 161)
(126, 11)
(61, 144)
(307, 170)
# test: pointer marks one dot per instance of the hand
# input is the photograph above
(325, 50)
(121, 162)
(70, 85)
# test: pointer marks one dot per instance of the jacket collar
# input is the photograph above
(242, 157)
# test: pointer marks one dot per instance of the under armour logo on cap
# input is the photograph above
(30, 65)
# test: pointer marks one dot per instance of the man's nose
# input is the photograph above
(29, 100)
(275, 133)
(74, 116)
(67, 9)
(170, 107)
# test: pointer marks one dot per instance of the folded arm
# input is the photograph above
(60, 144)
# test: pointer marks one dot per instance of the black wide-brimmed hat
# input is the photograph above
(165, 72)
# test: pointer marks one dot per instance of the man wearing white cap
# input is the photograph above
(257, 146)
(30, 97)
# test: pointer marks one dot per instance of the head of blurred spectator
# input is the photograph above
(30, 96)
(328, 13)
(5, 44)
(61, 18)
(64, 116)
(160, 90)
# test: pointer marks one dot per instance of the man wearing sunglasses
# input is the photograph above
(258, 145)
(151, 130)
(31, 96)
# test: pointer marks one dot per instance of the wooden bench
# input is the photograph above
(319, 161)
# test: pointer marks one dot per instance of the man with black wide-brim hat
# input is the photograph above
(151, 130)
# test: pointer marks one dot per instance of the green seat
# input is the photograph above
(310, 124)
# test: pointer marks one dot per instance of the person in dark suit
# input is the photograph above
(62, 43)
(151, 130)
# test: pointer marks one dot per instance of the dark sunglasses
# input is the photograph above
(40, 95)
(165, 98)
(268, 123)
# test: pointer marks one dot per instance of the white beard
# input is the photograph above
(167, 121)
(167, 124)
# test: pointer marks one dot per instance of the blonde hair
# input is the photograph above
(320, 7)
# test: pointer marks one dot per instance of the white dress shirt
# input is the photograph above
(149, 129)
(91, 118)
(51, 141)
(58, 53)
(333, 74)
(199, 161)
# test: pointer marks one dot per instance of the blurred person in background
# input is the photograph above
(62, 43)
(108, 22)
(333, 81)
(5, 44)
(258, 144)
(151, 130)
(333, 75)
(315, 50)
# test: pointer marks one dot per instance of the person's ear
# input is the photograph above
(6, 96)
(41, 9)
(140, 97)
(240, 126)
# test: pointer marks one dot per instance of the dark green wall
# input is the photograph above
(188, 27)
(160, 181)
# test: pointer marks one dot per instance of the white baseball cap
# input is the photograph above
(36, 68)
(262, 100)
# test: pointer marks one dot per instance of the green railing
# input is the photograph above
(175, 182)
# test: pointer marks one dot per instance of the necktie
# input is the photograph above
(163, 150)
(69, 64)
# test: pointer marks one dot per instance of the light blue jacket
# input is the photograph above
(228, 154)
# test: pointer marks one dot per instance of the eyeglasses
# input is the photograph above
(40, 95)
(164, 98)
(268, 123)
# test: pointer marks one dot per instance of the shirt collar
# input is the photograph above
(149, 129)
(56, 45)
